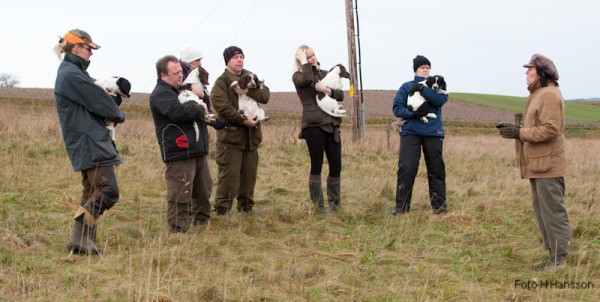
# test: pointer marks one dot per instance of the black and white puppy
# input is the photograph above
(248, 106)
(117, 87)
(415, 99)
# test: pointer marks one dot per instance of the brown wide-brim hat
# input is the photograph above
(545, 64)
(78, 36)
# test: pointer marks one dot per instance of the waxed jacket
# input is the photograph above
(225, 104)
(174, 124)
(412, 124)
(304, 81)
(82, 107)
(542, 135)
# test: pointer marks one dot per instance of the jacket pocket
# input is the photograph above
(232, 135)
(539, 160)
(178, 190)
(312, 114)
(101, 146)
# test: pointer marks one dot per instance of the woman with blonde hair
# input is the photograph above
(320, 130)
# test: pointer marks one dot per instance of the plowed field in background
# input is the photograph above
(377, 103)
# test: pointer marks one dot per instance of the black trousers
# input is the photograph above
(320, 142)
(408, 164)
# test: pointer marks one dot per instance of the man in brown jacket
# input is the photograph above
(237, 144)
(542, 156)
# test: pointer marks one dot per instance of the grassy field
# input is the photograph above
(575, 111)
(485, 249)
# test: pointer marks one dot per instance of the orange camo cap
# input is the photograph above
(78, 36)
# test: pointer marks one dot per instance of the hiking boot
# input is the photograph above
(440, 211)
(553, 262)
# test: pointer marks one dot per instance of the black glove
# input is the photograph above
(505, 125)
(415, 87)
(510, 132)
(422, 111)
(124, 86)
(218, 124)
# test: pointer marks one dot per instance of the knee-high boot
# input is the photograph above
(316, 191)
(83, 236)
(333, 192)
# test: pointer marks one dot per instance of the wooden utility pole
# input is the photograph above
(356, 114)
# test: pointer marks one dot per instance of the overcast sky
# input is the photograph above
(479, 46)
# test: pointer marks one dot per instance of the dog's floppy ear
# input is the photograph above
(243, 81)
(187, 86)
(343, 71)
(441, 81)
(203, 75)
(124, 87)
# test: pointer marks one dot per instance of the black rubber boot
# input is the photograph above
(82, 239)
(316, 191)
(333, 193)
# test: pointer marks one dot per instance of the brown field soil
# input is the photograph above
(376, 104)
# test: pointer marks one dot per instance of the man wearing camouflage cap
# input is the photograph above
(82, 107)
(542, 159)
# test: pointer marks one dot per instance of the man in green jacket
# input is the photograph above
(237, 144)
(82, 107)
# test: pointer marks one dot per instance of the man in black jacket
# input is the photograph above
(189, 182)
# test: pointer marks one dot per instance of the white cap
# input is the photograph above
(190, 53)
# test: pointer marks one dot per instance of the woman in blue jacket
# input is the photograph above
(417, 135)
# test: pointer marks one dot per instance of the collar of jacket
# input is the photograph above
(161, 82)
(316, 69)
(79, 61)
(419, 79)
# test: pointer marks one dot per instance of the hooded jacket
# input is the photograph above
(225, 103)
(414, 125)
(174, 124)
(542, 135)
(82, 106)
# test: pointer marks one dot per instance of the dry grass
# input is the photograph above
(285, 251)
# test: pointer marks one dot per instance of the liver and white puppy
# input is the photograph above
(248, 106)
(333, 80)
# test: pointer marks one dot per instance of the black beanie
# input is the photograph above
(231, 51)
(419, 61)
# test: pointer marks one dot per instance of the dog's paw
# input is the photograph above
(233, 84)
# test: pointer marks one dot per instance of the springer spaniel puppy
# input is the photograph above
(248, 106)
(114, 86)
(415, 99)
(333, 80)
(187, 96)
(199, 76)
